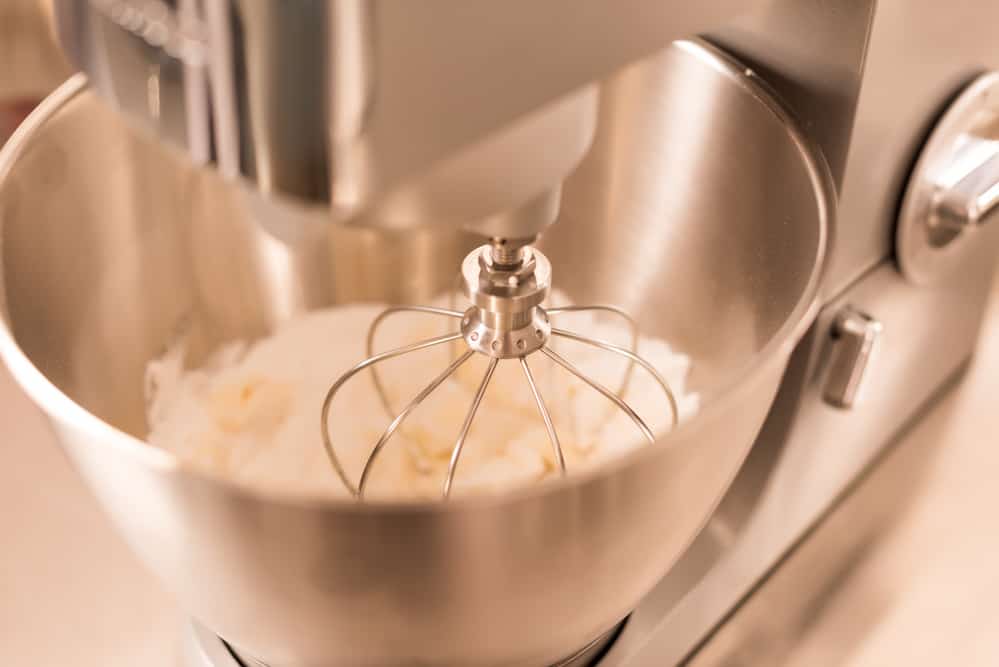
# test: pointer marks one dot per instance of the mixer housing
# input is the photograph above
(383, 113)
(408, 122)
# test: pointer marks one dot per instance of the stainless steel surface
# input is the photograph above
(401, 114)
(876, 584)
(369, 344)
(545, 416)
(358, 489)
(954, 187)
(919, 57)
(610, 395)
(809, 451)
(129, 245)
(902, 572)
(505, 319)
(816, 68)
(201, 648)
(340, 100)
(974, 200)
(632, 358)
(855, 336)
(813, 53)
(469, 418)
(506, 284)
(633, 334)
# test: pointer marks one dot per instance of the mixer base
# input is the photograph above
(203, 648)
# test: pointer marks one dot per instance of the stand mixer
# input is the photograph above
(363, 150)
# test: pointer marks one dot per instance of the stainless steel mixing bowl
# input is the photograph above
(701, 209)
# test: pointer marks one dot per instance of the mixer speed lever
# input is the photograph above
(855, 338)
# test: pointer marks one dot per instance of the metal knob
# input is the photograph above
(954, 188)
(855, 338)
(971, 198)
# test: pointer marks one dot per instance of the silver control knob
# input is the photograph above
(954, 188)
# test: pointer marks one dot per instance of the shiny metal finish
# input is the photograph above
(545, 415)
(506, 338)
(466, 426)
(919, 59)
(369, 343)
(632, 329)
(130, 246)
(814, 54)
(201, 648)
(632, 359)
(607, 393)
(900, 570)
(287, 98)
(506, 282)
(505, 320)
(954, 187)
(376, 110)
(809, 452)
(974, 199)
(855, 336)
(396, 422)
(358, 490)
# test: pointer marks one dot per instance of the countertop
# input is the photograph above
(904, 571)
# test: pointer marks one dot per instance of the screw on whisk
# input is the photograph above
(506, 282)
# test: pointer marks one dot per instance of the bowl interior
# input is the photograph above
(698, 210)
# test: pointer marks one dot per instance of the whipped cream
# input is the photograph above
(251, 414)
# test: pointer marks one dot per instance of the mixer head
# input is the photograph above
(506, 282)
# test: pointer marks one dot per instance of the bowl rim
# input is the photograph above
(61, 408)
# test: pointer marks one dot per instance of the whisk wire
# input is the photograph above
(545, 415)
(617, 349)
(413, 404)
(370, 361)
(506, 287)
(632, 328)
(369, 344)
(469, 418)
(627, 409)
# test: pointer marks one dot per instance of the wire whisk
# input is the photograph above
(505, 322)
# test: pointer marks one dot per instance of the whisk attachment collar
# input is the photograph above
(505, 320)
